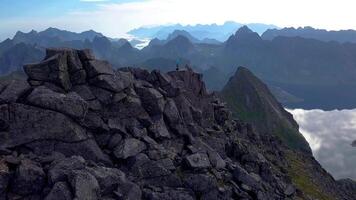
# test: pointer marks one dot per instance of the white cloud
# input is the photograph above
(330, 134)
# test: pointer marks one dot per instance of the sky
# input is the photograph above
(330, 135)
(116, 17)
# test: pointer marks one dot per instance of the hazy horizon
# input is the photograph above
(114, 18)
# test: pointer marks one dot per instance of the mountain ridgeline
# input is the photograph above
(78, 129)
(303, 71)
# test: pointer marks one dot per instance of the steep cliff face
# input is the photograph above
(78, 129)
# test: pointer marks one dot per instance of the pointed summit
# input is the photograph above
(244, 33)
(250, 100)
(243, 37)
(180, 43)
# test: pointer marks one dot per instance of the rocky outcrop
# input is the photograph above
(81, 130)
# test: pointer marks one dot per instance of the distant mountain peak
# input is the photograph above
(184, 33)
(246, 33)
(243, 30)
(180, 39)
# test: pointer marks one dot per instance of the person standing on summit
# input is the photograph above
(177, 65)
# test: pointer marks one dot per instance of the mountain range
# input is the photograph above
(199, 31)
(341, 36)
(301, 72)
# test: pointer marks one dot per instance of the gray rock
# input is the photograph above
(54, 69)
(86, 55)
(290, 190)
(128, 190)
(249, 179)
(104, 96)
(59, 191)
(60, 169)
(171, 112)
(4, 178)
(108, 82)
(114, 141)
(108, 178)
(84, 185)
(129, 147)
(178, 194)
(13, 91)
(158, 130)
(152, 100)
(70, 104)
(200, 183)
(216, 160)
(28, 124)
(98, 67)
(84, 92)
(29, 178)
(198, 161)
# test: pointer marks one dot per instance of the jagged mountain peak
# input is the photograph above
(251, 100)
(184, 33)
(180, 43)
(245, 33)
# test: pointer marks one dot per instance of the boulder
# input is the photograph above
(60, 169)
(198, 161)
(167, 193)
(129, 147)
(128, 190)
(28, 124)
(152, 100)
(111, 83)
(250, 180)
(70, 104)
(54, 69)
(86, 55)
(108, 178)
(4, 178)
(29, 178)
(98, 67)
(158, 129)
(13, 91)
(84, 185)
(171, 112)
(59, 191)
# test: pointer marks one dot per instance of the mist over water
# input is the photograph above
(330, 135)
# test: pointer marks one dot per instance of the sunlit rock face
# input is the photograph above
(330, 135)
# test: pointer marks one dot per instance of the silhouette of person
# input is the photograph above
(177, 65)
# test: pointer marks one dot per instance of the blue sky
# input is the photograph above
(115, 18)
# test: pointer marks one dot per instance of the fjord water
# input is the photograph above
(330, 134)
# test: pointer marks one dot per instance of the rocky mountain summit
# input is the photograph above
(77, 129)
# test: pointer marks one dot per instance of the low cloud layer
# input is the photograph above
(330, 135)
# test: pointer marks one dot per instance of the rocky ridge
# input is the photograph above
(77, 129)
